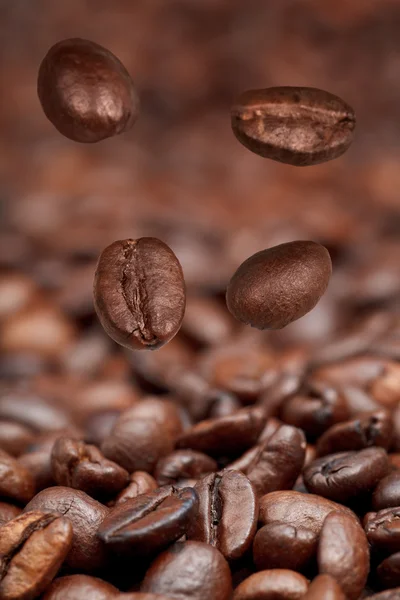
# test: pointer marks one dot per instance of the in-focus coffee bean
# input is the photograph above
(383, 529)
(387, 492)
(282, 546)
(276, 286)
(139, 293)
(86, 92)
(271, 584)
(295, 125)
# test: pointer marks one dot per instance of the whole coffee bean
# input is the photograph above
(31, 410)
(295, 125)
(276, 286)
(189, 570)
(73, 587)
(387, 492)
(388, 571)
(228, 513)
(86, 515)
(8, 512)
(393, 594)
(343, 553)
(139, 293)
(272, 584)
(164, 412)
(140, 483)
(38, 463)
(324, 587)
(370, 429)
(83, 467)
(86, 92)
(206, 321)
(33, 547)
(277, 462)
(150, 522)
(14, 437)
(346, 475)
(297, 509)
(16, 481)
(282, 546)
(383, 529)
(183, 464)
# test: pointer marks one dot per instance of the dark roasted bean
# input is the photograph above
(387, 492)
(273, 541)
(8, 512)
(140, 483)
(272, 584)
(388, 571)
(14, 437)
(383, 529)
(72, 587)
(324, 587)
(183, 464)
(16, 481)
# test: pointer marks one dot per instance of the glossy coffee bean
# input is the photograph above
(183, 464)
(324, 587)
(16, 482)
(272, 584)
(387, 492)
(85, 514)
(343, 553)
(383, 529)
(72, 587)
(33, 547)
(140, 483)
(139, 293)
(388, 571)
(150, 522)
(295, 125)
(189, 570)
(228, 513)
(282, 546)
(346, 475)
(276, 286)
(83, 467)
(86, 92)
(275, 464)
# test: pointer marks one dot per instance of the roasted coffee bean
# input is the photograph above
(272, 584)
(33, 547)
(206, 321)
(295, 125)
(86, 515)
(393, 594)
(276, 286)
(139, 293)
(183, 464)
(83, 467)
(38, 463)
(150, 522)
(32, 410)
(86, 92)
(73, 587)
(343, 552)
(386, 388)
(383, 529)
(99, 426)
(275, 464)
(189, 570)
(16, 481)
(140, 483)
(324, 587)
(387, 492)
(164, 412)
(300, 510)
(282, 546)
(388, 571)
(346, 475)
(228, 513)
(370, 429)
(225, 436)
(14, 437)
(8, 512)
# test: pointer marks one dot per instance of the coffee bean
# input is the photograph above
(324, 587)
(271, 544)
(346, 475)
(276, 286)
(33, 547)
(86, 515)
(343, 552)
(276, 464)
(8, 512)
(300, 510)
(14, 437)
(228, 513)
(140, 483)
(183, 464)
(86, 92)
(189, 570)
(139, 293)
(393, 594)
(295, 125)
(83, 467)
(383, 529)
(275, 583)
(164, 412)
(387, 492)
(150, 522)
(73, 587)
(206, 321)
(16, 482)
(388, 571)
(31, 410)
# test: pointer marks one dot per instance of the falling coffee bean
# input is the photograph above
(139, 293)
(86, 92)
(276, 286)
(295, 125)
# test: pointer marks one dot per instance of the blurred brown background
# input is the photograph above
(180, 174)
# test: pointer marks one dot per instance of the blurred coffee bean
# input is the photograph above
(324, 587)
(161, 411)
(101, 395)
(388, 571)
(271, 584)
(140, 483)
(71, 587)
(206, 321)
(383, 529)
(343, 552)
(86, 515)
(99, 426)
(8, 512)
(38, 464)
(14, 437)
(150, 522)
(183, 464)
(31, 410)
(295, 125)
(33, 547)
(86, 92)
(387, 492)
(228, 513)
(346, 475)
(271, 544)
(386, 387)
(16, 482)
(359, 371)
(387, 595)
(189, 569)
(139, 293)
(16, 293)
